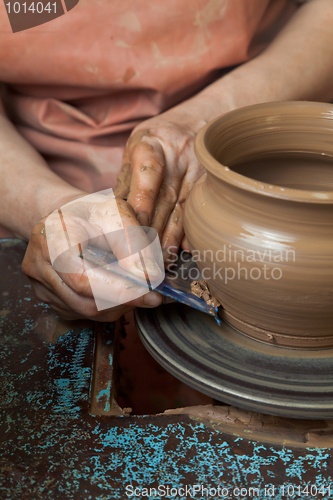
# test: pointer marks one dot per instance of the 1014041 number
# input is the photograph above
(307, 491)
(33, 7)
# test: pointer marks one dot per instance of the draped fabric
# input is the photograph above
(76, 86)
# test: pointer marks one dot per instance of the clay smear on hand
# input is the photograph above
(201, 290)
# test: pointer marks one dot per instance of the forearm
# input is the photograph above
(29, 190)
(298, 65)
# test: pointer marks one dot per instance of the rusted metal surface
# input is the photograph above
(52, 447)
(103, 394)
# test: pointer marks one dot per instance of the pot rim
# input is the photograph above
(223, 172)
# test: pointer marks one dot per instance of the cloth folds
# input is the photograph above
(79, 84)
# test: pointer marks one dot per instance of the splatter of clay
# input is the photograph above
(201, 290)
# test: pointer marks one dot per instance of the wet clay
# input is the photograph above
(295, 170)
(264, 428)
(260, 221)
(201, 290)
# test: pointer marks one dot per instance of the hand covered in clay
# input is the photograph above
(74, 287)
(159, 170)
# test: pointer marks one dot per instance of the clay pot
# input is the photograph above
(260, 221)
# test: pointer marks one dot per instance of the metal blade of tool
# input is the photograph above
(176, 286)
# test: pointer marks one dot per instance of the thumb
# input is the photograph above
(137, 249)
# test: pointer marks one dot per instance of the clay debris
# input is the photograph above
(201, 290)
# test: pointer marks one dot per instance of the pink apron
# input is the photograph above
(78, 85)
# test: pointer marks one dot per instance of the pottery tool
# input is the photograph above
(176, 285)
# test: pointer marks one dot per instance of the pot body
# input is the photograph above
(266, 250)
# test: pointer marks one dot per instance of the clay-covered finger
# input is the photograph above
(185, 244)
(107, 289)
(84, 307)
(101, 221)
(173, 233)
(174, 229)
(137, 249)
(58, 305)
(168, 196)
(148, 165)
(124, 177)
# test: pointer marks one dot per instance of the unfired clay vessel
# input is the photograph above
(260, 221)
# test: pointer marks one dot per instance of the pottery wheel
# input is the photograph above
(235, 369)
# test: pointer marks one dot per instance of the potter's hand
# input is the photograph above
(75, 288)
(159, 164)
(159, 170)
